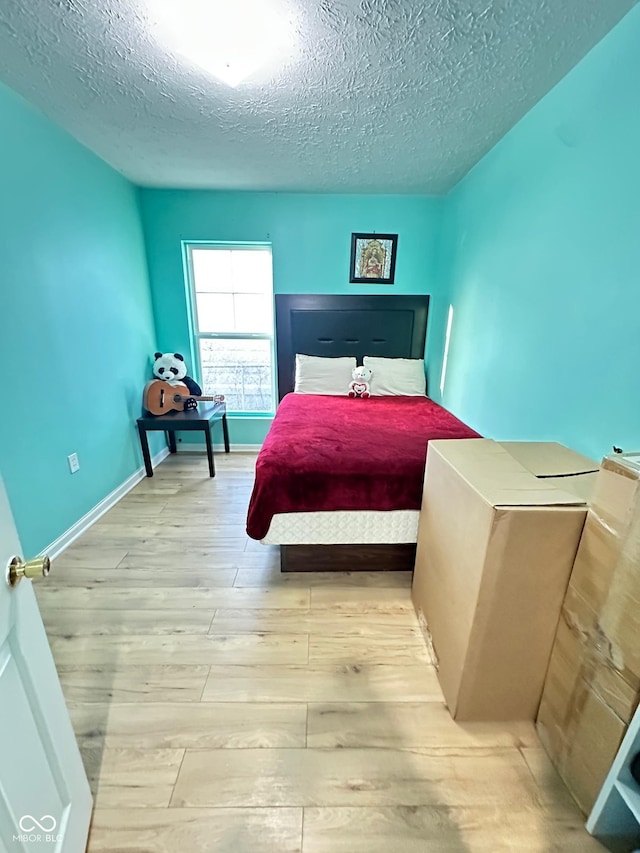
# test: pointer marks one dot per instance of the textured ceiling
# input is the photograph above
(383, 95)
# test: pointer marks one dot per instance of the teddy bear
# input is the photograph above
(171, 368)
(359, 386)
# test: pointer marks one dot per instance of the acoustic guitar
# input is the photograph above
(160, 397)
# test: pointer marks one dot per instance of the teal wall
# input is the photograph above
(76, 323)
(311, 240)
(542, 241)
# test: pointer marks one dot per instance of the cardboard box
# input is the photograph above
(499, 530)
(593, 684)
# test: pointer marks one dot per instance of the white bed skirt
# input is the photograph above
(344, 527)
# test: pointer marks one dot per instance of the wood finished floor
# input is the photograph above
(223, 707)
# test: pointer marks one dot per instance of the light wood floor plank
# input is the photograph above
(359, 600)
(134, 578)
(138, 498)
(125, 683)
(180, 560)
(359, 650)
(186, 649)
(175, 539)
(149, 553)
(236, 502)
(320, 622)
(196, 831)
(61, 622)
(126, 598)
(130, 510)
(270, 575)
(436, 829)
(330, 777)
(195, 726)
(407, 724)
(132, 777)
(323, 683)
(262, 559)
(161, 528)
(158, 487)
(81, 554)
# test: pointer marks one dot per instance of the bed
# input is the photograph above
(338, 480)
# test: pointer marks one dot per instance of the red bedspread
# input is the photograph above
(337, 453)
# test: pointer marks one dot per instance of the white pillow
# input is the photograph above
(316, 375)
(397, 376)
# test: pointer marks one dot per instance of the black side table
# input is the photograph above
(195, 419)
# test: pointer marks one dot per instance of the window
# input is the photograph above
(232, 303)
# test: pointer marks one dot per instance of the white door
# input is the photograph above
(45, 801)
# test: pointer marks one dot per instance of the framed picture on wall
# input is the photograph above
(373, 258)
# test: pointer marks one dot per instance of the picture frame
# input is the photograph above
(373, 258)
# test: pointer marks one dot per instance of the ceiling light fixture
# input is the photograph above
(232, 39)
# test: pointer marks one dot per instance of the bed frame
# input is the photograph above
(336, 325)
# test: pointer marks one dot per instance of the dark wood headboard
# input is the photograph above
(336, 325)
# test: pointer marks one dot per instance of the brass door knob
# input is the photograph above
(36, 568)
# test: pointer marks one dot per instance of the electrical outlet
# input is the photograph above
(74, 463)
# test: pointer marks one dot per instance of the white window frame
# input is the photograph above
(195, 333)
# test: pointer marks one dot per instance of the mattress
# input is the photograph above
(344, 527)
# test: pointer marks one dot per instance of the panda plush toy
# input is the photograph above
(171, 368)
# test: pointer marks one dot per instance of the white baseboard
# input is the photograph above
(194, 447)
(62, 542)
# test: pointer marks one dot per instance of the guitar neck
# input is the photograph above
(215, 399)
